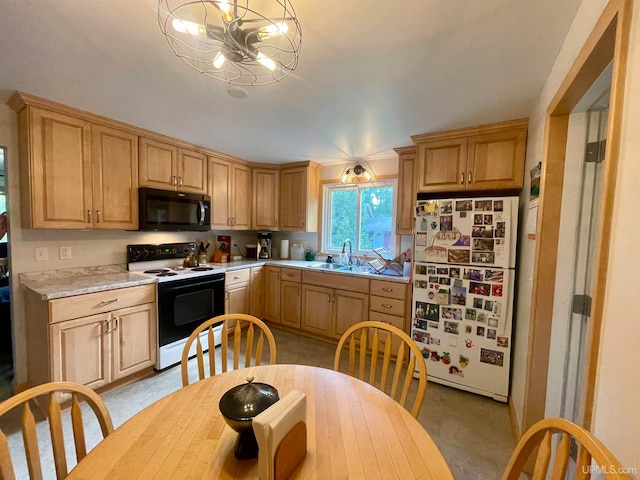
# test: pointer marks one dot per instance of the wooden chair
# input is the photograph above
(375, 339)
(540, 436)
(78, 393)
(236, 326)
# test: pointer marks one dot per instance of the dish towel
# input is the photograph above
(281, 433)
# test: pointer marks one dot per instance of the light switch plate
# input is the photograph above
(42, 254)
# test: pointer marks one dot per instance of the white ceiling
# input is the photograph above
(371, 72)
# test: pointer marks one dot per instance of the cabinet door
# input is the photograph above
(406, 193)
(266, 191)
(115, 178)
(317, 309)
(496, 160)
(80, 351)
(133, 337)
(256, 296)
(272, 294)
(220, 191)
(157, 164)
(192, 171)
(237, 298)
(293, 199)
(442, 165)
(241, 198)
(290, 304)
(350, 308)
(59, 171)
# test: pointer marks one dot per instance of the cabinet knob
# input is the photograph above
(385, 289)
(98, 215)
(115, 323)
(469, 177)
(107, 326)
(89, 220)
(386, 305)
(174, 180)
(180, 181)
(462, 178)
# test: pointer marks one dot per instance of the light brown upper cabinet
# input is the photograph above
(483, 158)
(74, 173)
(406, 190)
(168, 167)
(230, 190)
(266, 194)
(299, 197)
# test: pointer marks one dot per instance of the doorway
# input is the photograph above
(586, 235)
(6, 346)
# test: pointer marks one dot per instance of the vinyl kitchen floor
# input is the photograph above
(473, 432)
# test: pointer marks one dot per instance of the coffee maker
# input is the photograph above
(264, 245)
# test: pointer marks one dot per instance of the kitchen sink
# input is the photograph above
(356, 269)
(327, 266)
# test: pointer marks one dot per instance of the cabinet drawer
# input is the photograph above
(388, 289)
(390, 319)
(387, 305)
(237, 276)
(291, 275)
(62, 309)
(343, 282)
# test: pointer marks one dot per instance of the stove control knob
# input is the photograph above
(144, 253)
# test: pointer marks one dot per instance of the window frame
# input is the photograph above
(328, 187)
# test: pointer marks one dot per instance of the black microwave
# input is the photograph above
(165, 210)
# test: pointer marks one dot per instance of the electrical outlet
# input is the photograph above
(42, 254)
(65, 253)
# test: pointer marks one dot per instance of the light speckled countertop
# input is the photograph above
(79, 281)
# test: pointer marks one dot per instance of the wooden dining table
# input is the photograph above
(353, 431)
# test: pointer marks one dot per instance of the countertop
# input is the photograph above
(68, 283)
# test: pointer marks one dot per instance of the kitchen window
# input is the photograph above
(362, 212)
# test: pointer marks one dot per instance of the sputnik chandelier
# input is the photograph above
(234, 42)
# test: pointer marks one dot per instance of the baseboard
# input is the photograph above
(515, 428)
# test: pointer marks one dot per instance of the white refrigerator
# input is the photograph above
(462, 312)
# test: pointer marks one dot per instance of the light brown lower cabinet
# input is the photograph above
(290, 304)
(78, 339)
(272, 294)
(256, 292)
(236, 291)
(330, 312)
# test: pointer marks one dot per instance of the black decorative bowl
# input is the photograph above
(239, 406)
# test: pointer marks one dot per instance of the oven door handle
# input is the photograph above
(174, 286)
(202, 212)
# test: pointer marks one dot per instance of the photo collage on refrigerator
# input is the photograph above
(461, 283)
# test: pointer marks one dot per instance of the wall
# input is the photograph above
(616, 421)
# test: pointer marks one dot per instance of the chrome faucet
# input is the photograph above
(344, 244)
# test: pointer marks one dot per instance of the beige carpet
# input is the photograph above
(473, 432)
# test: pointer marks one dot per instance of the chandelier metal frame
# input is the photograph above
(256, 48)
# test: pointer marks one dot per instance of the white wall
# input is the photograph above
(616, 419)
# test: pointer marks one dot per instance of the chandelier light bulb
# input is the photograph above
(193, 28)
(219, 61)
(266, 61)
(272, 30)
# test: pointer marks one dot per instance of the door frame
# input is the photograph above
(608, 41)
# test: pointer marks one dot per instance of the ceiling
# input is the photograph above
(371, 72)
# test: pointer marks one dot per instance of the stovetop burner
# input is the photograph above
(157, 270)
(167, 274)
(201, 269)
